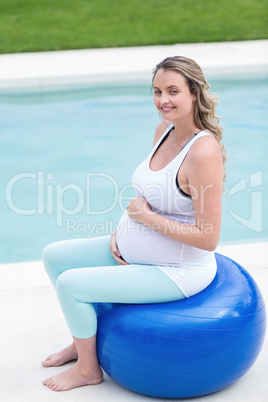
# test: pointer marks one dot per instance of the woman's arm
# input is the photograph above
(204, 177)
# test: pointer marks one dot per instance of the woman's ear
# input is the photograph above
(193, 95)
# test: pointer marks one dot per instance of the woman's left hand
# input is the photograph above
(138, 209)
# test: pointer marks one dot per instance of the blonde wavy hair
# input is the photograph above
(205, 104)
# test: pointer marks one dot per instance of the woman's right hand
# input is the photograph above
(115, 252)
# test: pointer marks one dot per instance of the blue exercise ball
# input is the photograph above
(187, 348)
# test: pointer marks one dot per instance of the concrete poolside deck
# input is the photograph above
(77, 68)
(32, 322)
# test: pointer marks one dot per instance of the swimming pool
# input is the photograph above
(67, 158)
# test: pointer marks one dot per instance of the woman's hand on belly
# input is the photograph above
(115, 252)
(138, 209)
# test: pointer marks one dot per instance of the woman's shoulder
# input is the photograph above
(160, 129)
(204, 163)
(205, 148)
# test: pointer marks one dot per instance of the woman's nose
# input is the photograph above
(164, 98)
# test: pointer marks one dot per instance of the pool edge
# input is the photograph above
(84, 67)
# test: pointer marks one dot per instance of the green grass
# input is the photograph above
(35, 25)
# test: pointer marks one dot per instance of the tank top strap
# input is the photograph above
(161, 139)
(192, 140)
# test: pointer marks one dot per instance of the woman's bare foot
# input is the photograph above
(73, 378)
(62, 357)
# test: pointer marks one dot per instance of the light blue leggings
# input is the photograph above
(83, 271)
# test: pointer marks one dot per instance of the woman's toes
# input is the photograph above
(57, 388)
(47, 381)
(51, 385)
(46, 363)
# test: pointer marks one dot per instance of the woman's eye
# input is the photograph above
(157, 92)
(173, 91)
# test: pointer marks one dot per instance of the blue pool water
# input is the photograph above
(67, 159)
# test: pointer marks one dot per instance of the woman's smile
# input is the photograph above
(166, 109)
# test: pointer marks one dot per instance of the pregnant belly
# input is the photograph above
(140, 244)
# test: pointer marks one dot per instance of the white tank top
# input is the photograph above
(191, 268)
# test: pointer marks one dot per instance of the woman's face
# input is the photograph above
(172, 96)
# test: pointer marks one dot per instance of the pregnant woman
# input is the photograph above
(162, 249)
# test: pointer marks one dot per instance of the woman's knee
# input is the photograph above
(54, 253)
(49, 255)
(46, 253)
(52, 259)
(65, 284)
